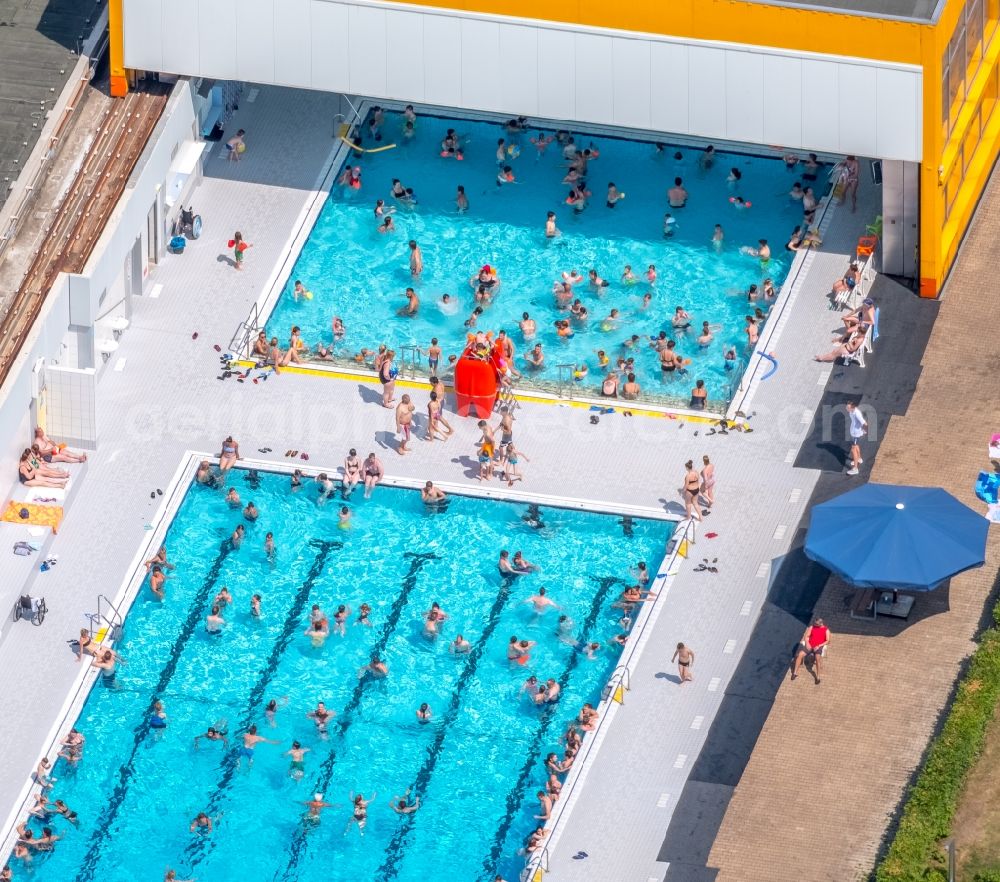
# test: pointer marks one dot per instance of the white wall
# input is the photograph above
(73, 299)
(104, 268)
(391, 50)
(71, 412)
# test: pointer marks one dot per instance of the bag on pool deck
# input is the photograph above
(23, 549)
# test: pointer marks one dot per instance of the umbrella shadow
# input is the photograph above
(926, 605)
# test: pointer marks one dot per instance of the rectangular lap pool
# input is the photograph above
(354, 272)
(475, 765)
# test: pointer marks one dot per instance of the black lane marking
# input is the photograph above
(345, 718)
(394, 851)
(201, 846)
(516, 793)
(116, 799)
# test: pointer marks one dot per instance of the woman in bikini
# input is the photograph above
(360, 811)
(352, 473)
(229, 455)
(85, 645)
(692, 487)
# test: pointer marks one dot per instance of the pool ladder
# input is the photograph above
(565, 381)
(618, 684)
(106, 623)
(409, 360)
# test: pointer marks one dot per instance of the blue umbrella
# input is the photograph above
(903, 538)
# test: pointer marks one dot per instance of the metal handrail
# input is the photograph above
(34, 185)
(409, 357)
(239, 346)
(535, 866)
(539, 860)
(352, 122)
(98, 619)
(565, 380)
(620, 676)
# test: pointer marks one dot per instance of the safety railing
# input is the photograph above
(565, 380)
(22, 209)
(350, 119)
(409, 360)
(240, 345)
(507, 397)
(107, 618)
(620, 679)
(537, 863)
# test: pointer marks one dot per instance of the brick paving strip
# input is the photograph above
(831, 765)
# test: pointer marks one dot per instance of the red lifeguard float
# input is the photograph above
(477, 377)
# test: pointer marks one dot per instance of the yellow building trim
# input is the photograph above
(116, 49)
(734, 21)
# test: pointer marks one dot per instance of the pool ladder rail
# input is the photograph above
(106, 623)
(618, 684)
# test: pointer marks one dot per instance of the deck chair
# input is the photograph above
(858, 356)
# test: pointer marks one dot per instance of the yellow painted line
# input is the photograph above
(520, 396)
(100, 635)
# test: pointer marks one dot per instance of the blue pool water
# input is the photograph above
(476, 765)
(360, 275)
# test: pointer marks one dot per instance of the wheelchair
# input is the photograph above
(188, 223)
(33, 609)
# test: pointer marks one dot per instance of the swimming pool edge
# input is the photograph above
(613, 696)
(164, 516)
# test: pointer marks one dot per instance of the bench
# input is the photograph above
(864, 606)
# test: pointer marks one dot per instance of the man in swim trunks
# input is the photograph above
(677, 196)
(506, 426)
(504, 565)
(214, 621)
(684, 657)
(527, 326)
(404, 423)
(541, 603)
(373, 473)
(107, 662)
(401, 806)
(316, 804)
(321, 716)
(416, 259)
(432, 495)
(250, 741)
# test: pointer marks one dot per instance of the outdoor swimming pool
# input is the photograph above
(476, 765)
(360, 275)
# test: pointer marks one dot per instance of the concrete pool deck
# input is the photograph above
(165, 400)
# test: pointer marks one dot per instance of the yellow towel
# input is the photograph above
(39, 515)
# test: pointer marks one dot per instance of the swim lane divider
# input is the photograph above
(394, 851)
(197, 850)
(116, 799)
(516, 794)
(417, 562)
